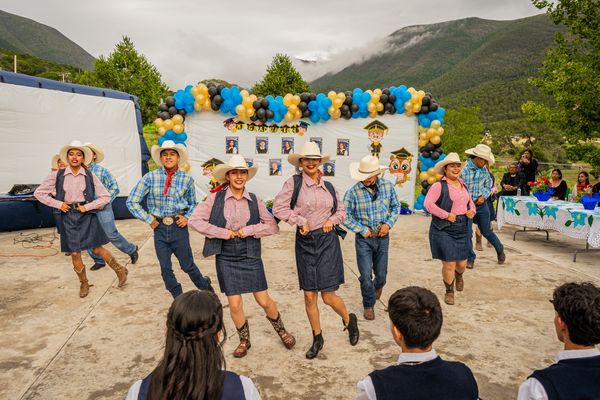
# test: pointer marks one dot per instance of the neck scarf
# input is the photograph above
(374, 190)
(169, 179)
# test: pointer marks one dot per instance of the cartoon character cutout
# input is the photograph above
(400, 165)
(376, 130)
(302, 128)
(230, 125)
(207, 169)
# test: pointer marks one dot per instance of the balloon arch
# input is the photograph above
(320, 107)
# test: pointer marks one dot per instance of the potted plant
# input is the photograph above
(269, 205)
(542, 188)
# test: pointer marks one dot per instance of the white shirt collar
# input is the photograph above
(417, 357)
(569, 354)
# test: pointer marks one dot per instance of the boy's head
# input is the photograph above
(416, 317)
(577, 319)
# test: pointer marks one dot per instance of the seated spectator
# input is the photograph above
(560, 186)
(193, 365)
(512, 181)
(583, 180)
(576, 374)
(416, 317)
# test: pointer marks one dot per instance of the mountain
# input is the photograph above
(465, 62)
(23, 35)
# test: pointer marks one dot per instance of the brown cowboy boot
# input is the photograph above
(119, 270)
(288, 340)
(378, 293)
(84, 289)
(449, 297)
(460, 283)
(478, 244)
(244, 346)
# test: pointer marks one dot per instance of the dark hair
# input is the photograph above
(559, 172)
(578, 305)
(587, 177)
(163, 150)
(417, 314)
(191, 368)
(530, 152)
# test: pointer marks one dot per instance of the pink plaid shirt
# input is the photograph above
(460, 199)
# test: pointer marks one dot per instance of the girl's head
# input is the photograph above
(528, 153)
(237, 178)
(583, 177)
(75, 157)
(556, 174)
(193, 361)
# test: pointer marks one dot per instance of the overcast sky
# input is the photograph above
(235, 40)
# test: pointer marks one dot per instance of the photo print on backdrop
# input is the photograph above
(343, 147)
(231, 145)
(319, 142)
(287, 145)
(262, 144)
(329, 168)
(275, 167)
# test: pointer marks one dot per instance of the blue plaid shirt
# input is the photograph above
(181, 195)
(107, 179)
(477, 180)
(363, 213)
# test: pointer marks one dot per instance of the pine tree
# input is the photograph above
(281, 78)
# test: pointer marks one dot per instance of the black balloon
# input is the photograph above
(214, 106)
(170, 101)
(269, 114)
(383, 98)
(264, 103)
(212, 91)
(386, 91)
(381, 112)
(163, 107)
(211, 84)
(260, 113)
(344, 109)
(392, 98)
(424, 183)
(348, 93)
(433, 107)
(426, 154)
(217, 99)
(424, 110)
(256, 104)
(347, 115)
(426, 101)
(387, 107)
(164, 115)
(438, 145)
(392, 110)
(348, 101)
(302, 106)
(424, 192)
(182, 112)
(305, 113)
(254, 118)
(304, 97)
(354, 107)
(220, 88)
(172, 111)
(312, 97)
(435, 155)
(429, 146)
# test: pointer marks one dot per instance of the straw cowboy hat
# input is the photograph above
(97, 150)
(169, 144)
(367, 167)
(76, 144)
(308, 150)
(235, 162)
(482, 151)
(451, 158)
(54, 162)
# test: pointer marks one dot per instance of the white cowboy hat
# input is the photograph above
(451, 158)
(54, 162)
(76, 144)
(235, 162)
(308, 150)
(169, 144)
(482, 151)
(97, 150)
(367, 167)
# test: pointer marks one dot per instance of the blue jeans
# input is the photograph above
(372, 260)
(169, 240)
(107, 222)
(482, 219)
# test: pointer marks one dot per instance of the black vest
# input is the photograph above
(572, 379)
(89, 194)
(435, 379)
(232, 387)
(217, 217)
(445, 203)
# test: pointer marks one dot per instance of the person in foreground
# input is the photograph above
(416, 321)
(576, 374)
(193, 365)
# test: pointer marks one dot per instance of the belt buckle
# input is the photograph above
(168, 221)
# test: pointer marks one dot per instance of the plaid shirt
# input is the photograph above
(363, 213)
(107, 179)
(477, 180)
(182, 195)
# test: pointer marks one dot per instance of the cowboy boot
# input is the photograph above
(316, 346)
(84, 289)
(460, 283)
(244, 334)
(288, 340)
(119, 270)
(352, 328)
(478, 244)
(449, 297)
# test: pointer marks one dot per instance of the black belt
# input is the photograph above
(77, 204)
(169, 219)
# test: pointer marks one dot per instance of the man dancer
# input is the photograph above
(106, 217)
(372, 208)
(171, 201)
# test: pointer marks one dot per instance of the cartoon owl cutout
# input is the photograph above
(400, 165)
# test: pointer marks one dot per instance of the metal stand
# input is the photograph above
(587, 250)
(531, 230)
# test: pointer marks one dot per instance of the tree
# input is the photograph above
(463, 130)
(128, 71)
(280, 79)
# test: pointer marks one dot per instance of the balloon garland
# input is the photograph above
(316, 107)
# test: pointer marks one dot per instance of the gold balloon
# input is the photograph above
(416, 108)
(371, 107)
(379, 106)
(161, 130)
(431, 171)
(178, 128)
(244, 93)
(421, 94)
(378, 92)
(422, 142)
(200, 98)
(431, 132)
(341, 96)
(298, 114)
(337, 103)
(438, 176)
(198, 106)
(337, 114)
(431, 180)
(373, 114)
(158, 122)
(240, 109)
(194, 91)
(177, 119)
(185, 167)
(331, 110)
(423, 136)
(435, 140)
(206, 104)
(250, 111)
(435, 124)
(332, 95)
(292, 108)
(288, 116)
(296, 100)
(375, 98)
(168, 124)
(408, 105)
(440, 131)
(423, 176)
(411, 90)
(287, 100)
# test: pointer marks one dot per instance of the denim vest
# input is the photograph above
(212, 246)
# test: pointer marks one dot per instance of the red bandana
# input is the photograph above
(169, 179)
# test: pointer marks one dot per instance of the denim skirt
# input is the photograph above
(237, 273)
(80, 231)
(452, 242)
(319, 261)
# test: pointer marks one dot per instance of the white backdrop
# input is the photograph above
(36, 123)
(207, 139)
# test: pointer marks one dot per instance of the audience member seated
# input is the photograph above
(512, 181)
(560, 186)
(576, 374)
(416, 322)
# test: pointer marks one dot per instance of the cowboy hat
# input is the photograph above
(451, 158)
(169, 144)
(97, 150)
(308, 150)
(482, 151)
(366, 168)
(235, 162)
(54, 162)
(76, 144)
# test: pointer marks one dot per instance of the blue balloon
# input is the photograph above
(356, 98)
(355, 115)
(312, 106)
(323, 112)
(169, 135)
(182, 137)
(357, 91)
(366, 97)
(426, 123)
(270, 98)
(189, 108)
(326, 117)
(327, 102)
(364, 113)
(188, 88)
(161, 140)
(403, 88)
(179, 104)
(314, 118)
(441, 112)
(226, 93)
(406, 96)
(188, 98)
(278, 118)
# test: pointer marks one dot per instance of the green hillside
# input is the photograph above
(27, 64)
(25, 36)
